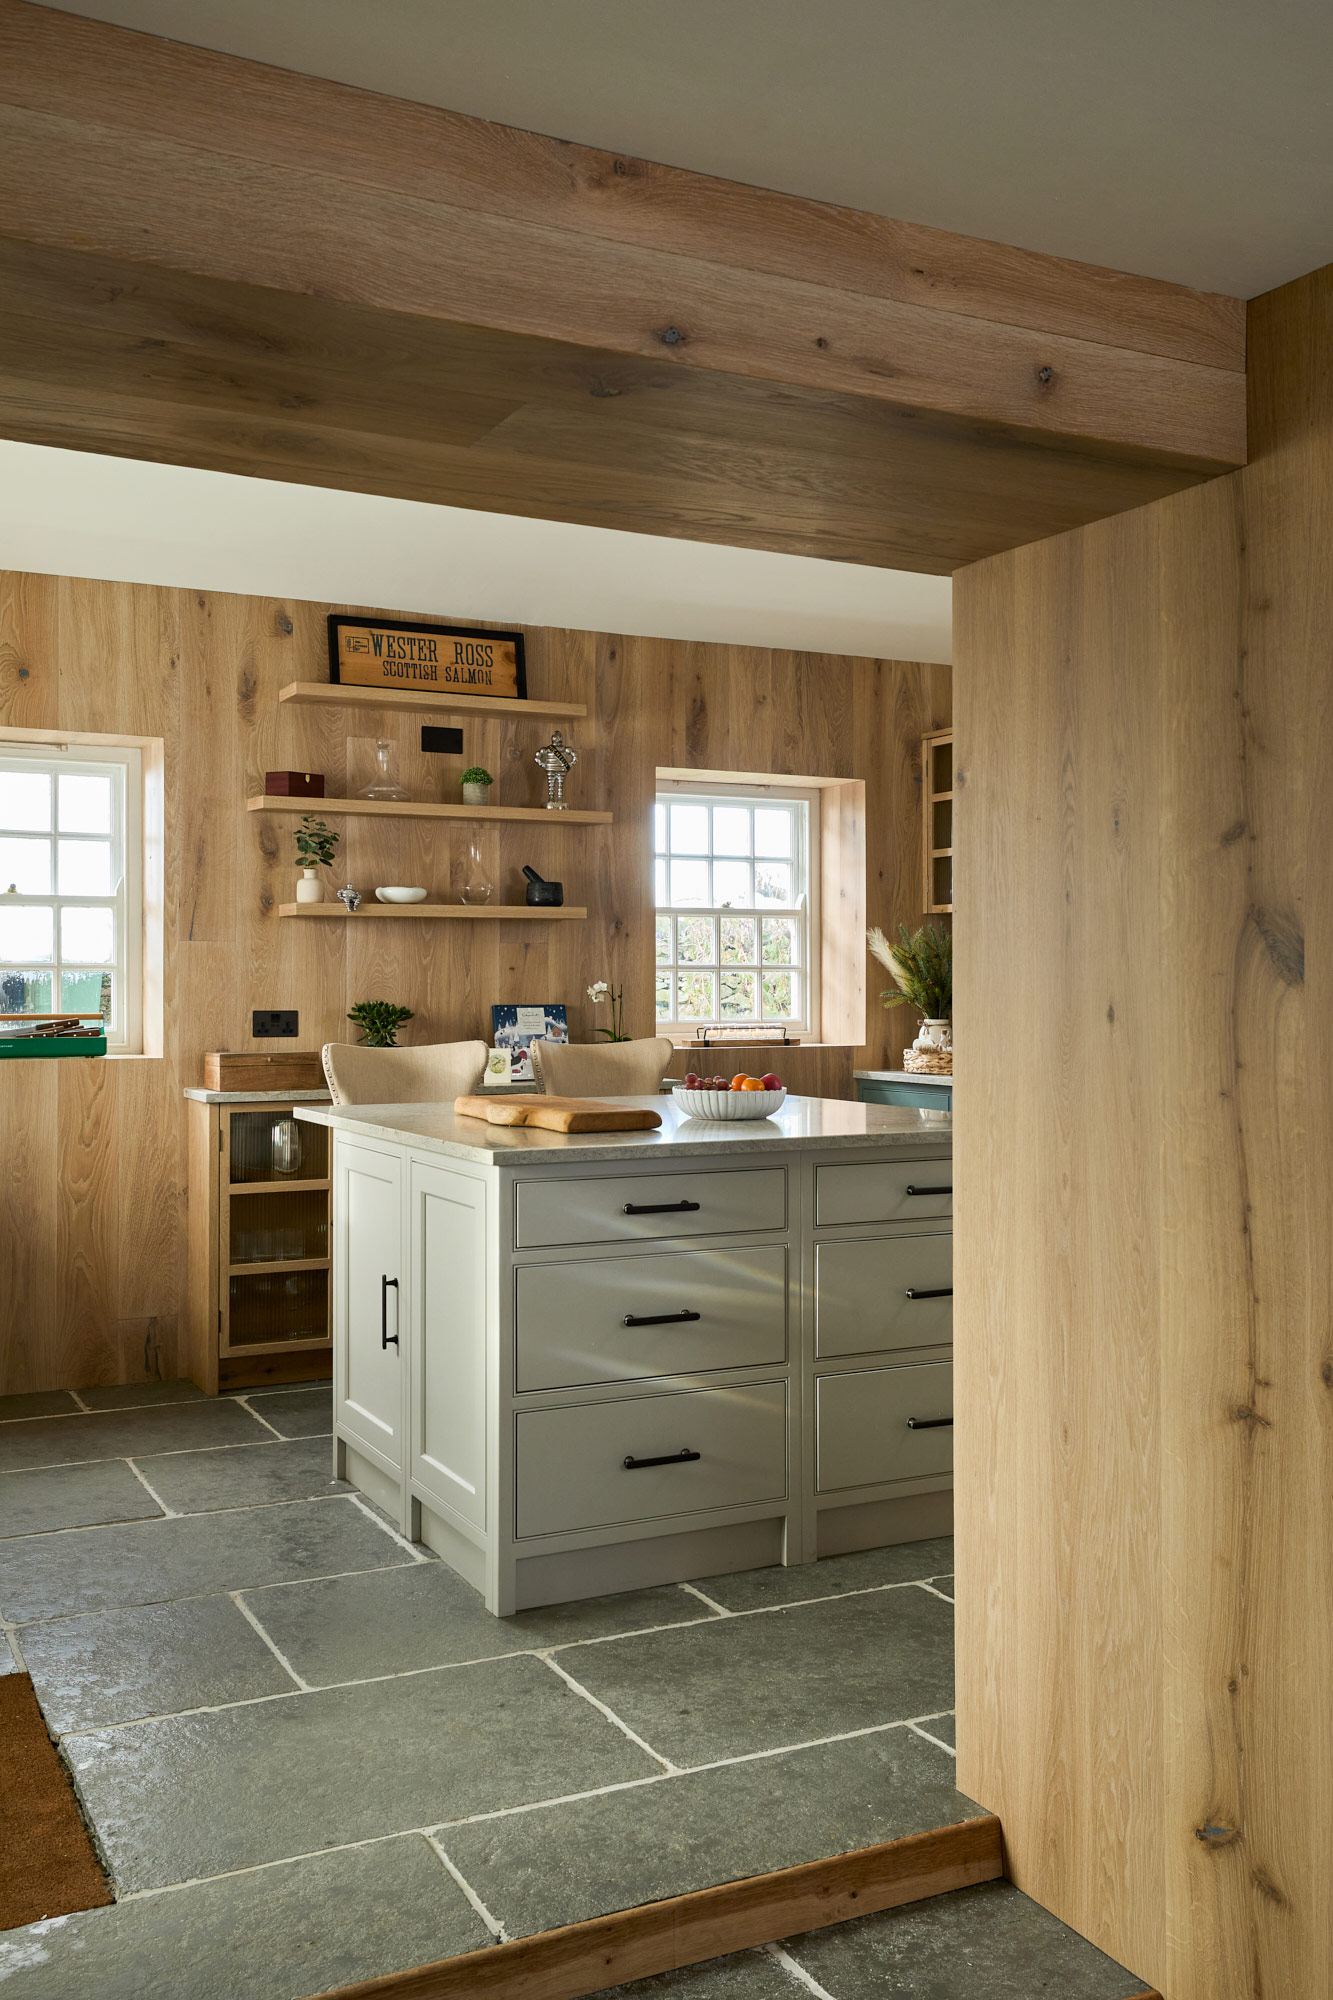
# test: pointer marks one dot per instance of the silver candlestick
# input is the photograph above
(557, 759)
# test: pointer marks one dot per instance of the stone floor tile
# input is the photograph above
(905, 1562)
(202, 1794)
(943, 1727)
(745, 1975)
(72, 1496)
(588, 1857)
(196, 1482)
(987, 1943)
(73, 1440)
(297, 1413)
(152, 1660)
(426, 1616)
(944, 1584)
(148, 1562)
(141, 1395)
(309, 1925)
(37, 1403)
(777, 1678)
(8, 1664)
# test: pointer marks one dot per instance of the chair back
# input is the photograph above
(601, 1069)
(435, 1074)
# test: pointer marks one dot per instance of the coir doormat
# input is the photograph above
(47, 1864)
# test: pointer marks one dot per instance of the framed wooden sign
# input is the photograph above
(443, 659)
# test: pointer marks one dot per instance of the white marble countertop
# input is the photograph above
(902, 1076)
(819, 1124)
(202, 1096)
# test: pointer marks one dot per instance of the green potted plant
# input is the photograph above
(315, 843)
(477, 782)
(615, 999)
(921, 963)
(379, 1022)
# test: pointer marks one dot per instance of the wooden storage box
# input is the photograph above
(294, 1069)
(293, 785)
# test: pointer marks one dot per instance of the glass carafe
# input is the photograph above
(286, 1147)
(385, 787)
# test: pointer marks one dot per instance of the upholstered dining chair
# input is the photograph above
(435, 1074)
(601, 1069)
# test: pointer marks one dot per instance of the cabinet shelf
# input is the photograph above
(277, 1265)
(514, 913)
(423, 809)
(277, 1187)
(335, 694)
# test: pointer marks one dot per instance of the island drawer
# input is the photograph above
(634, 1208)
(862, 1433)
(615, 1319)
(572, 1470)
(884, 1291)
(886, 1191)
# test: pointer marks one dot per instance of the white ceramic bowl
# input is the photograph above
(400, 895)
(728, 1104)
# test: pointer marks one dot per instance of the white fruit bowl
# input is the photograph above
(728, 1104)
(400, 895)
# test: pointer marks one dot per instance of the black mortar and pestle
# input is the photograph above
(541, 893)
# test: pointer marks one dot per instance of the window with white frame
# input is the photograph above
(71, 897)
(736, 928)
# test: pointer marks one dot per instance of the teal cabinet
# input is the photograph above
(910, 1091)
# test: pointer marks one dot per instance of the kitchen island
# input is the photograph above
(580, 1363)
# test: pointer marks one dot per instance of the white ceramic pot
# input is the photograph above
(309, 889)
(935, 1035)
(476, 795)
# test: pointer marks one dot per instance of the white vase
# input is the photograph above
(309, 889)
(935, 1035)
(475, 795)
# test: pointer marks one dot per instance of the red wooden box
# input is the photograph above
(293, 785)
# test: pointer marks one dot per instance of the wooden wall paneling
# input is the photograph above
(29, 1223)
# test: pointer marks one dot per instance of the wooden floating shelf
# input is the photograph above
(337, 695)
(422, 809)
(518, 913)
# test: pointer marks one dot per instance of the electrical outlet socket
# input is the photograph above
(449, 742)
(266, 1021)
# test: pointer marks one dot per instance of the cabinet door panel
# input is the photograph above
(875, 1293)
(887, 1191)
(632, 1209)
(863, 1434)
(449, 1345)
(368, 1221)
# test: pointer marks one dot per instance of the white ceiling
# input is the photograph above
(1183, 139)
(70, 513)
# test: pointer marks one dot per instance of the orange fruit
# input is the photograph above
(738, 1079)
(752, 1083)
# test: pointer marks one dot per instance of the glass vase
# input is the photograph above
(476, 882)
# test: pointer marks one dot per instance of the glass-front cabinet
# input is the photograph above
(259, 1244)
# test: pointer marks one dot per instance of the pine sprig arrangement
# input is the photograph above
(921, 963)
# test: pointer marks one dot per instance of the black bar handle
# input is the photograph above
(672, 1458)
(929, 1190)
(385, 1335)
(659, 1319)
(659, 1207)
(929, 1423)
(944, 1292)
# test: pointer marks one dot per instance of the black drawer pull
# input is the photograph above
(659, 1319)
(944, 1292)
(929, 1423)
(672, 1458)
(929, 1190)
(659, 1207)
(385, 1335)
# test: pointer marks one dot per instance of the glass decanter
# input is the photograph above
(476, 882)
(385, 786)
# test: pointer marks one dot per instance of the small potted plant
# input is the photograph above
(477, 782)
(379, 1022)
(315, 843)
(615, 998)
(921, 963)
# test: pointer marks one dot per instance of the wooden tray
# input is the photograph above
(559, 1114)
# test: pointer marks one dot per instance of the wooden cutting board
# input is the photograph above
(559, 1114)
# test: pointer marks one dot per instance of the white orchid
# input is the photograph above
(599, 991)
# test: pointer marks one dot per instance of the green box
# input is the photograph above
(15, 1046)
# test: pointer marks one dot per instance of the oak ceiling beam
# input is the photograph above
(526, 273)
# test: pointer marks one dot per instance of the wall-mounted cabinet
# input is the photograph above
(937, 822)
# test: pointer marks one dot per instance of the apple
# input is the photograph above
(771, 1082)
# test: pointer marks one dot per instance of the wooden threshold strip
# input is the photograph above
(684, 1930)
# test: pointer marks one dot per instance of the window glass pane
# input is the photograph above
(85, 934)
(26, 932)
(27, 864)
(664, 940)
(731, 884)
(695, 941)
(731, 830)
(772, 882)
(86, 993)
(84, 804)
(25, 993)
(696, 996)
(689, 829)
(779, 940)
(664, 996)
(689, 882)
(777, 995)
(772, 832)
(84, 867)
(659, 882)
(738, 940)
(737, 995)
(25, 801)
(659, 827)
